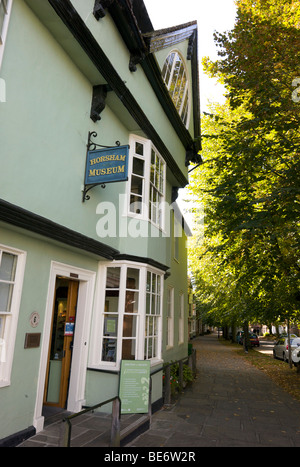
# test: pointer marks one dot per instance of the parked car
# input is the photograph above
(281, 348)
(254, 341)
(296, 356)
(252, 337)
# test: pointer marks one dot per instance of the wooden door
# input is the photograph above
(68, 341)
(61, 343)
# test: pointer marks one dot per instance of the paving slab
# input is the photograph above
(231, 404)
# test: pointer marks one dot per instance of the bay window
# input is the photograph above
(11, 277)
(128, 316)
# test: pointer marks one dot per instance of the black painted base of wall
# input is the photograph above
(17, 438)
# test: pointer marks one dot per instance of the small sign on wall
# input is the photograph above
(69, 329)
(32, 340)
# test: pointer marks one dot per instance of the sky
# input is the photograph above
(211, 16)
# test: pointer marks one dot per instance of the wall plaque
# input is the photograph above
(32, 340)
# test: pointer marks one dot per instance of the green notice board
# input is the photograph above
(134, 386)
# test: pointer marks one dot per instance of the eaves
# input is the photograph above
(72, 20)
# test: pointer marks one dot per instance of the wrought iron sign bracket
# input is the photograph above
(91, 146)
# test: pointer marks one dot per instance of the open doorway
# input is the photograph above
(61, 343)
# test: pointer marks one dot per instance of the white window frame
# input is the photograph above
(4, 29)
(11, 317)
(181, 319)
(153, 315)
(170, 318)
(167, 75)
(95, 358)
(146, 206)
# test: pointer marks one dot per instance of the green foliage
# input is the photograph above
(247, 265)
(187, 375)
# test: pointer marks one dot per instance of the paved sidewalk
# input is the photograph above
(231, 404)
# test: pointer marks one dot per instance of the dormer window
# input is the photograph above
(175, 76)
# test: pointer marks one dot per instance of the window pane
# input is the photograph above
(109, 350)
(138, 166)
(111, 301)
(5, 296)
(158, 305)
(129, 326)
(152, 168)
(110, 325)
(168, 67)
(8, 267)
(136, 204)
(132, 302)
(132, 281)
(139, 148)
(128, 349)
(150, 348)
(148, 281)
(150, 329)
(153, 307)
(148, 304)
(162, 177)
(154, 283)
(113, 278)
(136, 185)
(158, 284)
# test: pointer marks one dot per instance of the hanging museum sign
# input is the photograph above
(104, 164)
(107, 165)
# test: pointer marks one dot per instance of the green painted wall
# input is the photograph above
(44, 126)
(17, 401)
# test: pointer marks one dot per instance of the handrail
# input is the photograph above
(115, 426)
(116, 409)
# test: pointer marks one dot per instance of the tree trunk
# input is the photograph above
(289, 344)
(246, 337)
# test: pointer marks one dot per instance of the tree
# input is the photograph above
(249, 182)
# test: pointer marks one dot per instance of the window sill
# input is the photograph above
(142, 217)
(102, 369)
(116, 369)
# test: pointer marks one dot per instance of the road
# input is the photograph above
(265, 347)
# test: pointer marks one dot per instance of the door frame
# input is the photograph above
(86, 289)
(66, 361)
